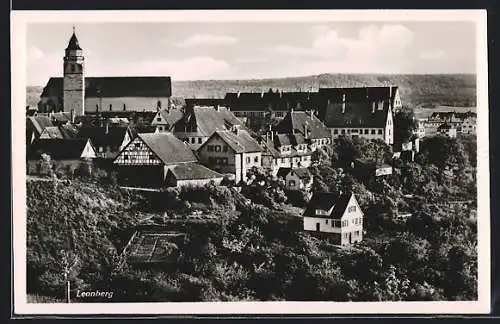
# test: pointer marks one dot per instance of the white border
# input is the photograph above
(19, 20)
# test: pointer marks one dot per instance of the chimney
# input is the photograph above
(343, 103)
(373, 107)
(107, 127)
(72, 114)
(306, 131)
(311, 114)
(272, 137)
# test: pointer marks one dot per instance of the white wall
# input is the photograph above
(249, 162)
(325, 225)
(131, 103)
(367, 136)
(198, 182)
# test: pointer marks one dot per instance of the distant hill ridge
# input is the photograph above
(416, 90)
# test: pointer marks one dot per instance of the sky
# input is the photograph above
(250, 50)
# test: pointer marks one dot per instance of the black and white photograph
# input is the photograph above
(210, 161)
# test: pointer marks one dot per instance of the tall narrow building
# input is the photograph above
(74, 78)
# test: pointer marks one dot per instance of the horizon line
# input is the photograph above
(271, 78)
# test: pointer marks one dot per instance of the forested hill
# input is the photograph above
(416, 90)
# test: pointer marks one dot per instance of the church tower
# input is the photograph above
(74, 78)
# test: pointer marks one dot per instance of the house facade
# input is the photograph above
(66, 154)
(296, 179)
(232, 152)
(199, 123)
(165, 119)
(305, 123)
(285, 151)
(191, 174)
(148, 158)
(468, 126)
(108, 140)
(447, 130)
(365, 112)
(338, 216)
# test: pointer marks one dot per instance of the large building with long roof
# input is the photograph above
(78, 94)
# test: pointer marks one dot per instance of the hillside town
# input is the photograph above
(334, 158)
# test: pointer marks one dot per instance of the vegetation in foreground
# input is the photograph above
(258, 251)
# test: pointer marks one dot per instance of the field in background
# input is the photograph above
(426, 112)
(416, 90)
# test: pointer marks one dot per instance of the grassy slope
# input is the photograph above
(89, 217)
(452, 90)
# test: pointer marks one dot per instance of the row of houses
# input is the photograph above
(449, 123)
(358, 111)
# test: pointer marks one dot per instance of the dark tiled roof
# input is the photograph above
(171, 116)
(116, 87)
(240, 142)
(327, 200)
(104, 136)
(205, 121)
(357, 94)
(61, 132)
(139, 129)
(193, 171)
(267, 101)
(289, 139)
(298, 120)
(168, 148)
(39, 123)
(73, 43)
(358, 106)
(302, 173)
(214, 102)
(58, 149)
(282, 172)
(357, 115)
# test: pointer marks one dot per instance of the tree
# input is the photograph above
(405, 124)
(346, 150)
(444, 152)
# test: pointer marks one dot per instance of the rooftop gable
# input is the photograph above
(168, 148)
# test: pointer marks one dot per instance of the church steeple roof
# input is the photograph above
(73, 42)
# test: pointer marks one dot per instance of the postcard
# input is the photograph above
(250, 162)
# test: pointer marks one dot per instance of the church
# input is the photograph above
(78, 95)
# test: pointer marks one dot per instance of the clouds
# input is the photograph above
(207, 39)
(34, 53)
(375, 49)
(255, 50)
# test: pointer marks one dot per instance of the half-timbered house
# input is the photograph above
(147, 159)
